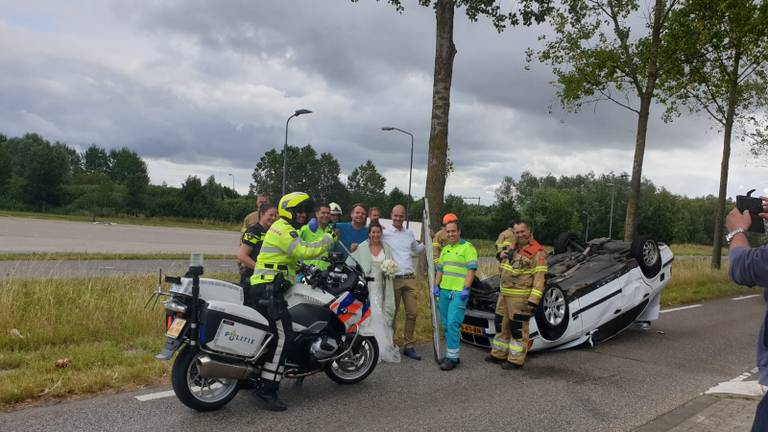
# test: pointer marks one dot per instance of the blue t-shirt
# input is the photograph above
(348, 234)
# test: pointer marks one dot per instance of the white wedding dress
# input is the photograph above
(388, 351)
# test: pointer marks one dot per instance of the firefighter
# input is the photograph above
(275, 270)
(439, 240)
(505, 240)
(523, 267)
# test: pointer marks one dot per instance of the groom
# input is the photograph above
(404, 246)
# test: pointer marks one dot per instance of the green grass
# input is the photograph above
(693, 280)
(691, 249)
(100, 324)
(78, 256)
(129, 220)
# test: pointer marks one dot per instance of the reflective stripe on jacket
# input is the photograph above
(281, 250)
(456, 260)
(310, 236)
(522, 274)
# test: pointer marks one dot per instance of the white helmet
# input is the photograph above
(335, 208)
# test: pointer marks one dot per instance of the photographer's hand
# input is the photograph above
(736, 219)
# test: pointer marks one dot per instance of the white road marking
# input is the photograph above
(745, 297)
(680, 308)
(738, 386)
(153, 396)
(107, 268)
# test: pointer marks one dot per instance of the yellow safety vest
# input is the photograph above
(282, 249)
(456, 260)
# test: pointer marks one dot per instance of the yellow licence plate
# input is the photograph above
(176, 327)
(466, 328)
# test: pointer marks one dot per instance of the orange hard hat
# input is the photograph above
(450, 217)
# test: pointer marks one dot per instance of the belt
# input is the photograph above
(406, 276)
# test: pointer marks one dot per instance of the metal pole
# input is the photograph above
(586, 229)
(610, 218)
(410, 179)
(233, 182)
(410, 174)
(285, 153)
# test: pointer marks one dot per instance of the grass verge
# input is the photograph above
(77, 256)
(101, 326)
(691, 249)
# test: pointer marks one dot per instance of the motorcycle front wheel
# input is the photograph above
(196, 392)
(357, 364)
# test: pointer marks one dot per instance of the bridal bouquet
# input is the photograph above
(389, 268)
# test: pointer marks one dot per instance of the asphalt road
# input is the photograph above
(104, 268)
(617, 386)
(22, 235)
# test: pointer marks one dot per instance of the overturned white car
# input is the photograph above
(593, 291)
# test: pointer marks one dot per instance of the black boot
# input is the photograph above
(266, 396)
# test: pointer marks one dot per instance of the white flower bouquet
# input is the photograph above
(389, 267)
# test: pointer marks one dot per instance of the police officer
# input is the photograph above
(251, 242)
(523, 266)
(439, 240)
(275, 268)
(315, 230)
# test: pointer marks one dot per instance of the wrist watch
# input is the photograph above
(732, 234)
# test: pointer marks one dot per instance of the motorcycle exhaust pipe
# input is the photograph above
(210, 368)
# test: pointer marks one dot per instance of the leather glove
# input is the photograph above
(436, 290)
(313, 224)
(465, 294)
(530, 308)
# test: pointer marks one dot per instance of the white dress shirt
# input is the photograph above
(404, 245)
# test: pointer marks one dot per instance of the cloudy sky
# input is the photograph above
(205, 87)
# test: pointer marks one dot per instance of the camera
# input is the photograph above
(755, 207)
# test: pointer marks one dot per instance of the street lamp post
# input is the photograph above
(410, 173)
(285, 146)
(233, 182)
(610, 217)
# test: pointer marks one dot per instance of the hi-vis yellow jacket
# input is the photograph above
(282, 249)
(522, 274)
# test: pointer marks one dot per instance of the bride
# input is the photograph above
(371, 254)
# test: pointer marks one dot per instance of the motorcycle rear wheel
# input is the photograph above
(357, 364)
(196, 392)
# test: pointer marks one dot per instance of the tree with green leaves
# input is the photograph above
(129, 169)
(721, 59)
(366, 185)
(317, 176)
(96, 160)
(597, 57)
(525, 12)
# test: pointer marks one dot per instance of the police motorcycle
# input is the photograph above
(222, 343)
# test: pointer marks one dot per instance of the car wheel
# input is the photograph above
(646, 251)
(552, 315)
(568, 242)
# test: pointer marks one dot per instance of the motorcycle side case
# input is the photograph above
(232, 328)
(212, 290)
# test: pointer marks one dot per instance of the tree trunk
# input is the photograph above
(646, 96)
(717, 242)
(437, 160)
(630, 223)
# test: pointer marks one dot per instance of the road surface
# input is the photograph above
(617, 386)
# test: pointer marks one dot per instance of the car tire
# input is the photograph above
(553, 315)
(568, 242)
(646, 251)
